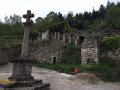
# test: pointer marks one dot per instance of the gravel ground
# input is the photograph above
(58, 80)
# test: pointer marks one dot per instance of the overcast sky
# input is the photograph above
(42, 7)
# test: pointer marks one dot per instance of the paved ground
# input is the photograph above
(57, 80)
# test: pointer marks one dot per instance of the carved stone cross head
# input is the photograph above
(28, 16)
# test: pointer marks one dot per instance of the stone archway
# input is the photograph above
(67, 38)
(54, 60)
(74, 38)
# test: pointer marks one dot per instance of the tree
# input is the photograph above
(39, 19)
(117, 24)
(102, 11)
(71, 19)
(7, 20)
(112, 16)
(52, 18)
(15, 19)
(60, 16)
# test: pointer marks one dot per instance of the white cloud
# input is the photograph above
(42, 7)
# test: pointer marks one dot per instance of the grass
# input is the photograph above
(63, 67)
(70, 69)
(1, 64)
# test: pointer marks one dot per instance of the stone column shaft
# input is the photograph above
(58, 35)
(64, 37)
(55, 35)
(69, 39)
(40, 36)
(75, 42)
(47, 35)
(24, 52)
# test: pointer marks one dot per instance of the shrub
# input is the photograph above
(110, 61)
(71, 54)
(111, 44)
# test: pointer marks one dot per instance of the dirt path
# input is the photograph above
(57, 80)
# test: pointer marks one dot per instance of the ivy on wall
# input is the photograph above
(71, 54)
(58, 27)
(110, 44)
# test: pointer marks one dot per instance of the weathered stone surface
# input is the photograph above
(22, 71)
(47, 52)
(23, 66)
(3, 55)
(42, 86)
(24, 52)
(89, 51)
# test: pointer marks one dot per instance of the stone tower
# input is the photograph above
(89, 50)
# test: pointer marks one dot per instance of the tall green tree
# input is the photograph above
(15, 19)
(112, 16)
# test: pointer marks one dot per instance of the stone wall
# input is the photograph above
(88, 39)
(47, 51)
(3, 55)
(89, 51)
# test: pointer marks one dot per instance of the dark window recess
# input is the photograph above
(54, 60)
(89, 61)
(81, 39)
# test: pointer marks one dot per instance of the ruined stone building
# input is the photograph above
(87, 39)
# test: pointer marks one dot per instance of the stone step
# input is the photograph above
(43, 86)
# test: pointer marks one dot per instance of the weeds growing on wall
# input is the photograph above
(110, 44)
(71, 54)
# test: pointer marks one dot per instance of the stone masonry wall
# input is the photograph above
(3, 55)
(47, 51)
(89, 51)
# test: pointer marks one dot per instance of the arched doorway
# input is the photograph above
(54, 60)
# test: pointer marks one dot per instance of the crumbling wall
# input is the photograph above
(47, 51)
(89, 51)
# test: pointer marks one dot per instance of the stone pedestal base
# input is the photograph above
(26, 85)
(42, 86)
(22, 76)
(22, 70)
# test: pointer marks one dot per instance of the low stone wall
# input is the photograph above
(3, 55)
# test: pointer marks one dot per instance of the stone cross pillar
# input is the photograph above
(22, 67)
(24, 52)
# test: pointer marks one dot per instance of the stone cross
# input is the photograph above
(28, 16)
(24, 52)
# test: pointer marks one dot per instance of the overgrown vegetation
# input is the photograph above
(1, 64)
(110, 44)
(71, 54)
(107, 17)
(71, 60)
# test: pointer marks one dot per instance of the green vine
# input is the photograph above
(110, 44)
(71, 54)
(59, 26)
